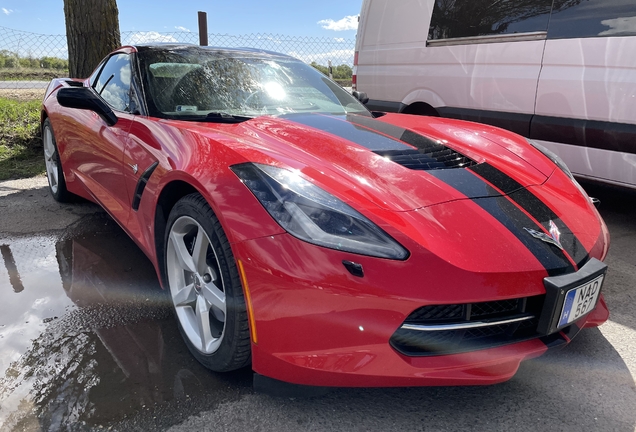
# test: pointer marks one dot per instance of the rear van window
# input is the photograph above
(592, 18)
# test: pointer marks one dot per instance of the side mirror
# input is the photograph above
(361, 96)
(84, 98)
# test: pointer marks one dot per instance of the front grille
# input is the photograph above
(436, 313)
(441, 341)
(495, 308)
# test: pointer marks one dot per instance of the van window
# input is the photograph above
(593, 18)
(469, 18)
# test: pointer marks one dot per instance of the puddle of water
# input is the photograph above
(88, 338)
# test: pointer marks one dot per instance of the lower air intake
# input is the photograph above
(455, 328)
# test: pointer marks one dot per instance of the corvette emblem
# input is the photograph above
(552, 238)
(134, 167)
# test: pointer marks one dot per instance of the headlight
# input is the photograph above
(553, 157)
(315, 216)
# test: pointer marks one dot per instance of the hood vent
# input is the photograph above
(399, 145)
(433, 158)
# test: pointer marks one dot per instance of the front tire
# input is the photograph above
(54, 172)
(205, 287)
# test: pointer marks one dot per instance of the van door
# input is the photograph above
(475, 60)
(586, 96)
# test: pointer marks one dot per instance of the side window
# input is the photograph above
(470, 18)
(592, 18)
(113, 83)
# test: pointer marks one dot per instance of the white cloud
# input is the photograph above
(7, 11)
(183, 29)
(337, 57)
(619, 25)
(339, 39)
(151, 36)
(347, 23)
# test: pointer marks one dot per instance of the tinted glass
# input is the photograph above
(192, 83)
(593, 18)
(467, 18)
(113, 83)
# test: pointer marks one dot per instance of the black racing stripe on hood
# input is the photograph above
(397, 132)
(467, 183)
(426, 146)
(534, 207)
(400, 145)
(339, 126)
(509, 215)
(497, 178)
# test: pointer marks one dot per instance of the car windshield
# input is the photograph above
(197, 84)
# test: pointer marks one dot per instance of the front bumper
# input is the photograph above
(319, 325)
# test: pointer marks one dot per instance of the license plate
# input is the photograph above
(580, 301)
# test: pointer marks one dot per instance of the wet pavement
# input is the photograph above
(88, 341)
(88, 338)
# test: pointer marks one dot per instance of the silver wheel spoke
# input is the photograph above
(203, 321)
(214, 296)
(185, 296)
(200, 306)
(200, 251)
(48, 152)
(49, 158)
(181, 251)
(54, 174)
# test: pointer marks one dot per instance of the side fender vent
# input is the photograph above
(141, 185)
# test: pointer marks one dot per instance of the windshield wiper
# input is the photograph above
(222, 117)
(213, 117)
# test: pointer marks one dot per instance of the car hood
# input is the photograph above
(396, 162)
(456, 189)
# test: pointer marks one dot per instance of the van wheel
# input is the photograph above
(421, 108)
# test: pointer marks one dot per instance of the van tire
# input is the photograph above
(421, 108)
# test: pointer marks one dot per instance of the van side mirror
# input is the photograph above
(85, 98)
(361, 96)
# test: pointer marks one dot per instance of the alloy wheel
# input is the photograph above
(196, 284)
(50, 157)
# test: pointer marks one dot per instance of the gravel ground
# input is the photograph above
(27, 208)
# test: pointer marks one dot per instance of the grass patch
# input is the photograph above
(31, 74)
(20, 143)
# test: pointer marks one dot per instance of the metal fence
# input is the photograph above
(28, 60)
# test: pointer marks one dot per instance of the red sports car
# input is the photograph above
(320, 242)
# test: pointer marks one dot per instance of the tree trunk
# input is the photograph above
(92, 31)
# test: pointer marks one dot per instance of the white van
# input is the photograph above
(562, 72)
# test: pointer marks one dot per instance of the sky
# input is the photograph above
(326, 18)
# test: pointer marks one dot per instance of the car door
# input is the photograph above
(99, 152)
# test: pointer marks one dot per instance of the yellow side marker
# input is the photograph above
(248, 301)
